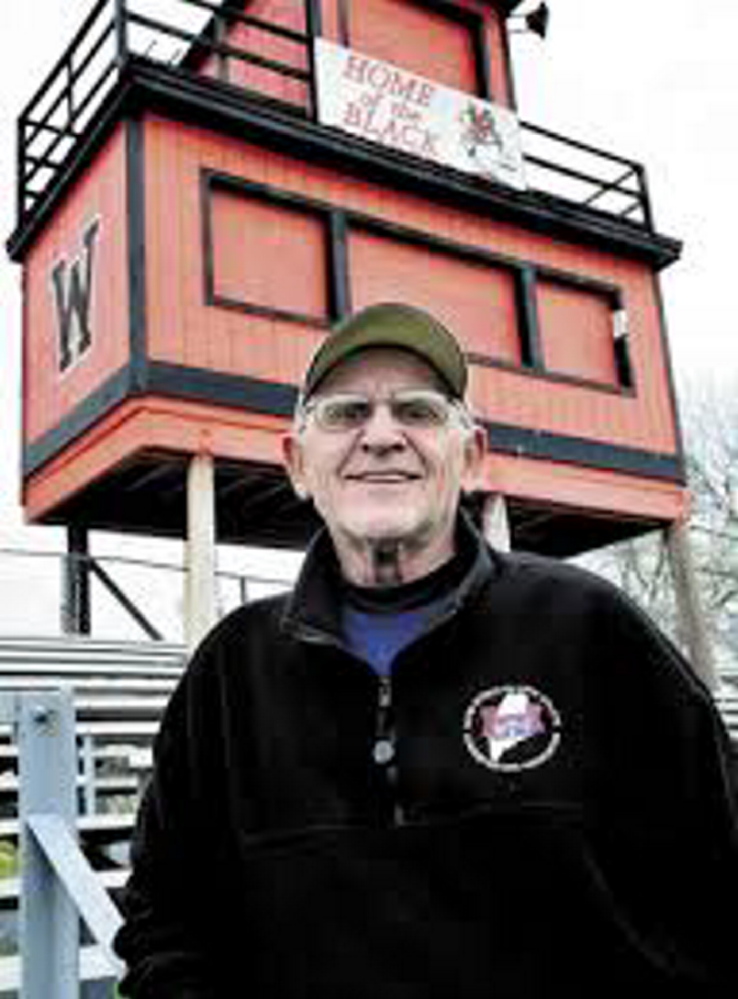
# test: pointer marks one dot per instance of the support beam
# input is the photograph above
(692, 622)
(496, 522)
(200, 590)
(76, 610)
(49, 921)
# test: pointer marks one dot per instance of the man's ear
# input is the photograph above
(292, 458)
(475, 449)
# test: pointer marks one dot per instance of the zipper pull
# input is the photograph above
(385, 693)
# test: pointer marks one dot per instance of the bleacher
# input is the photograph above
(726, 698)
(120, 690)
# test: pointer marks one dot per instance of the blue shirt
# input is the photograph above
(378, 638)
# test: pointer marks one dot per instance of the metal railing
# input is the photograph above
(58, 885)
(200, 38)
(129, 596)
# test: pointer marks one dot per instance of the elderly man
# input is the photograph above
(432, 771)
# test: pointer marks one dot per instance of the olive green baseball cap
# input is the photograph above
(391, 324)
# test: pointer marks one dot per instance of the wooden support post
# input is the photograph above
(75, 612)
(691, 617)
(496, 522)
(200, 598)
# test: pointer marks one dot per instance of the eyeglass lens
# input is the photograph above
(410, 409)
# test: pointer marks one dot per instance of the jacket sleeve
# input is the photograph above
(164, 940)
(665, 802)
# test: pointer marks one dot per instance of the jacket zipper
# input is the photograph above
(384, 750)
(385, 746)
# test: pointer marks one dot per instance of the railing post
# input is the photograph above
(20, 168)
(645, 197)
(121, 32)
(220, 37)
(89, 778)
(313, 23)
(48, 918)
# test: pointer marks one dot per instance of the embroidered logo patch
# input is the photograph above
(512, 728)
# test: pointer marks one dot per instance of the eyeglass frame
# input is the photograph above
(307, 407)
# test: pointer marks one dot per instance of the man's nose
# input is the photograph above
(382, 430)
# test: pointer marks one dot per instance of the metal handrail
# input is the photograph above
(58, 885)
(64, 119)
(248, 577)
(244, 582)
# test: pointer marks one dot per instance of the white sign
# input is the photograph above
(393, 107)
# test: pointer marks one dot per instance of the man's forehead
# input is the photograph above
(391, 365)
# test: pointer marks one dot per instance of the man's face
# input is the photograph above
(384, 480)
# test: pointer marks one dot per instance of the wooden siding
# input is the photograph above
(256, 245)
(422, 39)
(596, 491)
(576, 328)
(184, 329)
(419, 39)
(257, 41)
(477, 300)
(48, 393)
(375, 37)
(500, 70)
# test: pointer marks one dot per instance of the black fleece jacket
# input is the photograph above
(540, 803)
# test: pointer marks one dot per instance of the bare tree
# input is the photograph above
(641, 566)
(711, 427)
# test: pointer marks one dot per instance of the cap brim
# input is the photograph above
(391, 324)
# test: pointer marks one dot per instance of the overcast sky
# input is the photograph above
(652, 80)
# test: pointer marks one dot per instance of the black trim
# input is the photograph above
(580, 451)
(136, 213)
(342, 14)
(221, 388)
(314, 18)
(278, 399)
(340, 282)
(531, 354)
(115, 390)
(482, 61)
(512, 97)
(314, 29)
(611, 292)
(623, 363)
(559, 377)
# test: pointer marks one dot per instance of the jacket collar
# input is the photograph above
(313, 609)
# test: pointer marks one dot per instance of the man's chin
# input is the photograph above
(385, 531)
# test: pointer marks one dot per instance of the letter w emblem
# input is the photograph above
(72, 284)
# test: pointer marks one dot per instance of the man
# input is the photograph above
(432, 771)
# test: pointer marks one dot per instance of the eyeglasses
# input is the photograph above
(419, 409)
